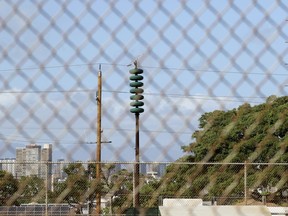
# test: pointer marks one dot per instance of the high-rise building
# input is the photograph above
(162, 169)
(59, 169)
(46, 156)
(33, 160)
(143, 168)
(8, 164)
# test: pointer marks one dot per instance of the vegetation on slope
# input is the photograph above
(256, 135)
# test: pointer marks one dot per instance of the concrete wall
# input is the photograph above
(214, 210)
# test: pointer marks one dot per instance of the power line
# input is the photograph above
(71, 142)
(46, 91)
(93, 129)
(195, 97)
(143, 66)
(212, 71)
(47, 67)
(182, 95)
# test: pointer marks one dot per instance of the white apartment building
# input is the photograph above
(34, 160)
(8, 164)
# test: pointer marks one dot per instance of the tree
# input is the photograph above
(32, 189)
(247, 133)
(121, 185)
(8, 186)
(81, 184)
(74, 189)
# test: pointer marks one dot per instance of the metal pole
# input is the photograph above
(98, 151)
(111, 209)
(46, 190)
(245, 182)
(137, 97)
(136, 201)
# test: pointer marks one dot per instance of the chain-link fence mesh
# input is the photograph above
(197, 57)
(71, 187)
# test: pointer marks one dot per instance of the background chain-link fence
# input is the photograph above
(197, 57)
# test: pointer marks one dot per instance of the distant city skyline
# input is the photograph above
(32, 159)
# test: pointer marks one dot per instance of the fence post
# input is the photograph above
(46, 190)
(245, 182)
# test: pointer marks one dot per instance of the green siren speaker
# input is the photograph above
(136, 91)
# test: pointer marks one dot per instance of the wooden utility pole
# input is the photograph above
(98, 150)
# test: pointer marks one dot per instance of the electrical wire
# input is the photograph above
(199, 97)
(143, 66)
(24, 140)
(194, 97)
(185, 95)
(46, 91)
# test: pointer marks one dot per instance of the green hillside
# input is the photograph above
(255, 134)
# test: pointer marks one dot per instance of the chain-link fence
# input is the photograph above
(71, 187)
(215, 80)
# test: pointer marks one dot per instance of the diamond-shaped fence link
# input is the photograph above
(197, 57)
